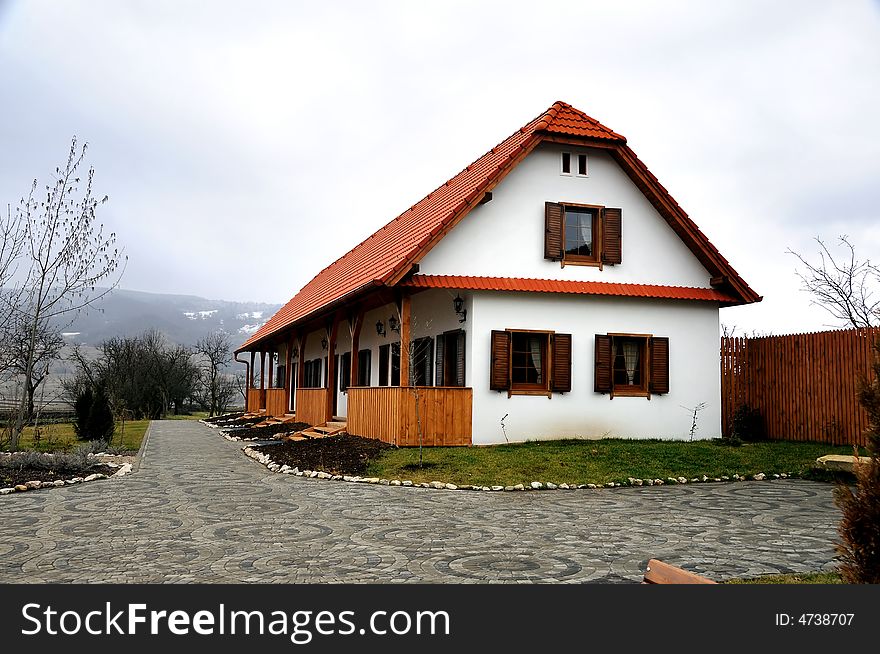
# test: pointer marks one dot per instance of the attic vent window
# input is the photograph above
(566, 162)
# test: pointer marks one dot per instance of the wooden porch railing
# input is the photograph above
(389, 414)
(276, 401)
(311, 405)
(256, 399)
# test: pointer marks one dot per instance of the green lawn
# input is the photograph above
(596, 461)
(60, 437)
(803, 578)
(195, 415)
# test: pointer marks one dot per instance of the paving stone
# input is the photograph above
(197, 510)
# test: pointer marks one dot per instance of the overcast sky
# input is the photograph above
(246, 145)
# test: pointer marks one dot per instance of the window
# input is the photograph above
(631, 364)
(582, 165)
(345, 372)
(280, 376)
(312, 374)
(422, 362)
(449, 366)
(566, 163)
(530, 362)
(384, 362)
(580, 228)
(364, 368)
(580, 234)
(395, 364)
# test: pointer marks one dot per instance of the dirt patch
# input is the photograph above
(340, 455)
(12, 476)
(269, 431)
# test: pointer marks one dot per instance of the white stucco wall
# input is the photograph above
(694, 368)
(505, 237)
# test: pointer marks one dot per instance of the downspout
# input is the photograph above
(247, 387)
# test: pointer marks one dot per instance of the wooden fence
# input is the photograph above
(389, 414)
(256, 399)
(311, 405)
(276, 401)
(804, 385)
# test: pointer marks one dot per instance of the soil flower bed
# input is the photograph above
(334, 454)
(21, 467)
(269, 431)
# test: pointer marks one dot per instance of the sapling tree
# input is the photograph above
(64, 257)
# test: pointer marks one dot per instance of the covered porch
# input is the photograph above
(390, 371)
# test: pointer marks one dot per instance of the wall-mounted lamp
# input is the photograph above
(324, 343)
(394, 324)
(380, 328)
(458, 305)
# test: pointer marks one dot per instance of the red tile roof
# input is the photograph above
(523, 284)
(383, 257)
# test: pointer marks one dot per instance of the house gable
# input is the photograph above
(505, 237)
(388, 256)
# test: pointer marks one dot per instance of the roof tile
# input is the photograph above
(386, 253)
(529, 285)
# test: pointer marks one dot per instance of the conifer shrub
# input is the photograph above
(93, 416)
(859, 529)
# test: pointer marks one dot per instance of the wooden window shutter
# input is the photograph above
(438, 369)
(554, 229)
(429, 361)
(459, 360)
(561, 380)
(659, 365)
(603, 382)
(499, 375)
(612, 229)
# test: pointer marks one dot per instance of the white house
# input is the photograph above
(553, 288)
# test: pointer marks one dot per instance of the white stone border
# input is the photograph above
(123, 470)
(225, 429)
(266, 460)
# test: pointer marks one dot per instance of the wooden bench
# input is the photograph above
(658, 572)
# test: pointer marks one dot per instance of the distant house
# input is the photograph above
(553, 288)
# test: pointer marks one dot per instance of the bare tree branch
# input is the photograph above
(843, 285)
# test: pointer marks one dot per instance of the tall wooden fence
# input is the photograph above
(803, 385)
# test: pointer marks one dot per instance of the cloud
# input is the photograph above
(246, 146)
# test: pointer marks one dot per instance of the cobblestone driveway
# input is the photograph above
(199, 510)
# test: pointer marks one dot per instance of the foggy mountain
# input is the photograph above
(184, 319)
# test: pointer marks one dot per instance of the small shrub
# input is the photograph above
(747, 424)
(82, 409)
(859, 528)
(94, 417)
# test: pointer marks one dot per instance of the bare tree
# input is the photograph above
(45, 349)
(843, 285)
(214, 350)
(64, 257)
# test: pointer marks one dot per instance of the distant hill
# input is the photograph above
(184, 319)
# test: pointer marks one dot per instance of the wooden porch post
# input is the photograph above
(404, 339)
(355, 323)
(331, 365)
(262, 371)
(250, 381)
